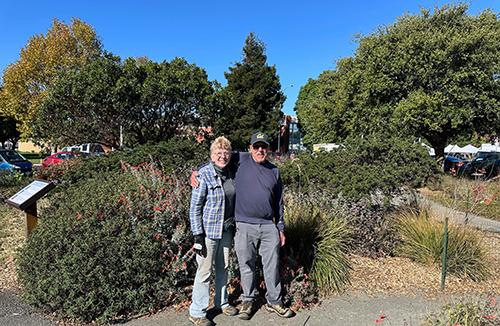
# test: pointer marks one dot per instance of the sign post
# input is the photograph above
(26, 199)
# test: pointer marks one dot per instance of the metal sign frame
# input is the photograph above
(28, 196)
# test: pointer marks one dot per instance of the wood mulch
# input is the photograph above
(11, 238)
(397, 275)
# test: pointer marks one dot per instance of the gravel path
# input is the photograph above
(459, 217)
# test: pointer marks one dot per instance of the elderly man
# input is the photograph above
(259, 225)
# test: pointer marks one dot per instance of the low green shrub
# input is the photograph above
(368, 179)
(176, 154)
(480, 312)
(423, 238)
(316, 249)
(110, 246)
(11, 182)
(361, 168)
(331, 266)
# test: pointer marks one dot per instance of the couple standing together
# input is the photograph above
(239, 192)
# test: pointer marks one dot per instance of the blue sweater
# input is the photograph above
(259, 192)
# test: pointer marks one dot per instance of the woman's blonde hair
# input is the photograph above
(220, 143)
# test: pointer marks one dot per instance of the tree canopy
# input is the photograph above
(26, 81)
(431, 75)
(8, 131)
(252, 99)
(149, 101)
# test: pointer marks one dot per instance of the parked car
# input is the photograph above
(74, 148)
(484, 165)
(453, 163)
(92, 149)
(58, 158)
(13, 161)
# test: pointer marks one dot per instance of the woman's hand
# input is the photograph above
(199, 245)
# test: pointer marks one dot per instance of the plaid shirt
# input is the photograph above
(206, 213)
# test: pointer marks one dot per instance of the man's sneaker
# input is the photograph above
(201, 321)
(229, 310)
(280, 309)
(246, 310)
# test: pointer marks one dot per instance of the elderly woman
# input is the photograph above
(212, 223)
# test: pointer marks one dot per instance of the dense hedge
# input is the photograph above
(176, 154)
(361, 168)
(110, 246)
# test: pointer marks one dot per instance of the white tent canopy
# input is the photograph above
(489, 148)
(452, 149)
(469, 149)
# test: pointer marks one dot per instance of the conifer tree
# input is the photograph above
(252, 98)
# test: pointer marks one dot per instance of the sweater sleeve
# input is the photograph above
(279, 207)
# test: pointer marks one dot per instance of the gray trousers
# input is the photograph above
(264, 239)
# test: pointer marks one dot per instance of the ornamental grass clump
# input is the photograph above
(110, 247)
(480, 312)
(317, 244)
(422, 241)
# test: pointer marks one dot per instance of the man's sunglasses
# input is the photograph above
(257, 146)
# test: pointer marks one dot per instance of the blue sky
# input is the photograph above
(303, 38)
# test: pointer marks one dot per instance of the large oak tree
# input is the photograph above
(431, 75)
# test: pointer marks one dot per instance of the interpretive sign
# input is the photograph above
(26, 198)
(30, 194)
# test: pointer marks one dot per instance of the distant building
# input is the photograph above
(291, 138)
(28, 147)
(326, 147)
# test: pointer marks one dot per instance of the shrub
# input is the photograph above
(362, 167)
(317, 245)
(368, 179)
(10, 183)
(331, 267)
(176, 154)
(482, 312)
(372, 221)
(56, 172)
(110, 246)
(422, 241)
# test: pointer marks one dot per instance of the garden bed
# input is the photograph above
(396, 275)
(391, 275)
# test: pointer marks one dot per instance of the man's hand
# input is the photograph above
(199, 245)
(282, 238)
(193, 180)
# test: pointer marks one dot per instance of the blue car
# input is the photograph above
(453, 164)
(11, 160)
(484, 165)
